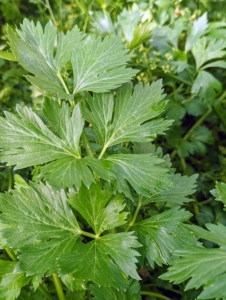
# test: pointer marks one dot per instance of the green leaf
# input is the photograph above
(33, 48)
(73, 284)
(200, 263)
(204, 51)
(99, 66)
(197, 30)
(103, 293)
(99, 208)
(142, 171)
(11, 281)
(128, 20)
(141, 33)
(7, 55)
(103, 260)
(214, 288)
(125, 118)
(66, 45)
(39, 222)
(182, 187)
(220, 192)
(162, 234)
(206, 86)
(216, 233)
(27, 141)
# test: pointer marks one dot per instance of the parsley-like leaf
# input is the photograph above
(99, 208)
(40, 223)
(100, 260)
(162, 234)
(125, 118)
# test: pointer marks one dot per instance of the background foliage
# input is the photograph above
(184, 43)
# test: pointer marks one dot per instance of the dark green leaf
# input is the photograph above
(162, 234)
(103, 260)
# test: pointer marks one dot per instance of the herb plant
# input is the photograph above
(98, 210)
(96, 173)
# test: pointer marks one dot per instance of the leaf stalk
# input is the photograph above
(135, 215)
(145, 293)
(58, 286)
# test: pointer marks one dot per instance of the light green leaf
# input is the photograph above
(103, 293)
(214, 288)
(103, 260)
(128, 20)
(11, 281)
(7, 55)
(220, 192)
(99, 66)
(215, 64)
(73, 284)
(206, 86)
(33, 48)
(66, 44)
(197, 30)
(142, 171)
(205, 51)
(27, 141)
(122, 119)
(99, 208)
(216, 233)
(39, 222)
(200, 263)
(182, 187)
(142, 32)
(162, 234)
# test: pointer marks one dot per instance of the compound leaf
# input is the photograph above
(99, 66)
(39, 222)
(103, 260)
(27, 141)
(99, 208)
(122, 119)
(162, 234)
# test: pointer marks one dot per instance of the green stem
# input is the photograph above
(58, 286)
(10, 179)
(151, 294)
(91, 235)
(11, 254)
(51, 12)
(187, 135)
(169, 75)
(135, 215)
(102, 152)
(86, 143)
(45, 292)
(64, 84)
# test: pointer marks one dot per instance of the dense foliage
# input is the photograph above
(112, 150)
